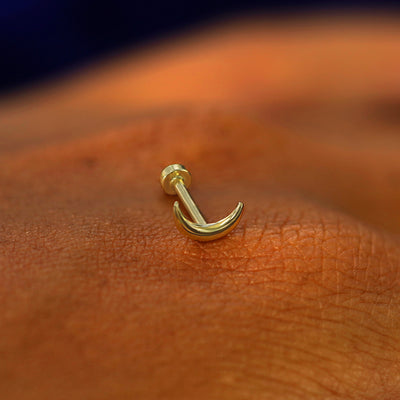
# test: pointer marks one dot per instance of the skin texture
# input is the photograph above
(102, 297)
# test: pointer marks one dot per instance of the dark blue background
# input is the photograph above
(40, 38)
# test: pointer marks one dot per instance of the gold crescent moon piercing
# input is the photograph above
(175, 179)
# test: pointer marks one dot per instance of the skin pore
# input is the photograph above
(103, 298)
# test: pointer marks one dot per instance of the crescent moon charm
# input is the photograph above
(175, 179)
(210, 231)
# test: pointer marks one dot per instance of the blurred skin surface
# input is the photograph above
(102, 298)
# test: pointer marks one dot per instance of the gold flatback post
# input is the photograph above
(175, 179)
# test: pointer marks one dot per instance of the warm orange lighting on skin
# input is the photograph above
(101, 297)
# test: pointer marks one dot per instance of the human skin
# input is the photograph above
(102, 298)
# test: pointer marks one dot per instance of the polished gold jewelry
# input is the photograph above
(175, 179)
